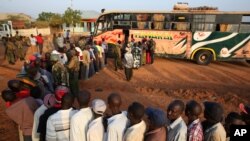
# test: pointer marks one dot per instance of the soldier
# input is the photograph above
(19, 45)
(59, 71)
(10, 51)
(117, 55)
(73, 69)
(5, 40)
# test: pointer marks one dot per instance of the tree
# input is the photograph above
(45, 16)
(56, 20)
(71, 17)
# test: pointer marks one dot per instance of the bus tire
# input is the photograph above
(203, 57)
(248, 61)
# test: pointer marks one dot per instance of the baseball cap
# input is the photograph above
(49, 100)
(99, 106)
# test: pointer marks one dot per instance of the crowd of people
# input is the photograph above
(42, 98)
(55, 117)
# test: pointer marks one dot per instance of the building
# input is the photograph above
(87, 24)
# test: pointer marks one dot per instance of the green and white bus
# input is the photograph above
(202, 36)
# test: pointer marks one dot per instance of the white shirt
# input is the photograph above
(135, 132)
(79, 124)
(60, 41)
(177, 131)
(96, 130)
(117, 125)
(129, 61)
(58, 125)
(38, 113)
(62, 57)
(80, 53)
(33, 41)
(215, 133)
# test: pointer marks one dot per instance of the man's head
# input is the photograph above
(67, 101)
(213, 112)
(59, 35)
(83, 98)
(31, 35)
(14, 85)
(36, 92)
(114, 101)
(135, 112)
(156, 118)
(234, 118)
(40, 35)
(47, 56)
(193, 110)
(175, 109)
(59, 93)
(8, 95)
(32, 70)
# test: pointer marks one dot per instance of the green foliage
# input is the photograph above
(45, 16)
(52, 19)
(71, 16)
(56, 20)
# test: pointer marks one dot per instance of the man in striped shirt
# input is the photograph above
(58, 125)
(193, 111)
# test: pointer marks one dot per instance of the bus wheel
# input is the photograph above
(203, 57)
(248, 61)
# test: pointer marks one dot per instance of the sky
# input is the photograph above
(34, 7)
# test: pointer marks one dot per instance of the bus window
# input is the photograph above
(181, 26)
(228, 19)
(181, 22)
(142, 21)
(168, 19)
(1, 28)
(232, 28)
(244, 28)
(158, 21)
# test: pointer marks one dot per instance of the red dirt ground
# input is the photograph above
(156, 85)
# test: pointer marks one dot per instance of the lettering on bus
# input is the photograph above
(160, 35)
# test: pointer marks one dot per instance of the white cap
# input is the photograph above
(99, 106)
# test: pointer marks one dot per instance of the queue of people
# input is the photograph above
(55, 117)
(41, 100)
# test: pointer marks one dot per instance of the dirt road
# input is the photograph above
(157, 84)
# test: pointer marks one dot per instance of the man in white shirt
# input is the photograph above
(128, 63)
(49, 101)
(96, 127)
(60, 41)
(118, 123)
(81, 120)
(33, 47)
(58, 124)
(137, 127)
(213, 128)
(105, 48)
(177, 130)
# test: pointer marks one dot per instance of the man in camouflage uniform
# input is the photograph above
(73, 69)
(19, 47)
(10, 51)
(117, 55)
(59, 72)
